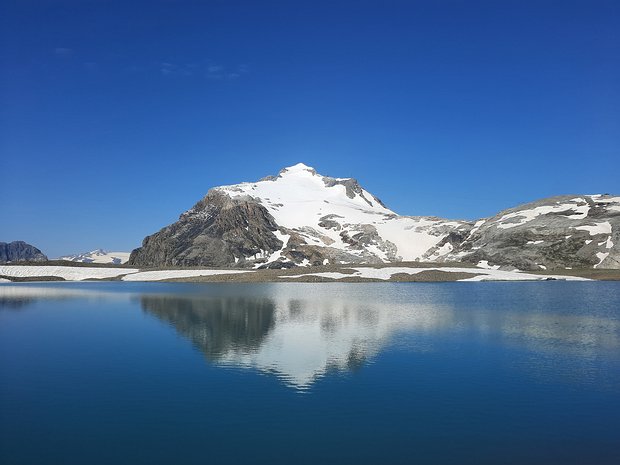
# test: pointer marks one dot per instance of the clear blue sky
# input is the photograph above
(118, 116)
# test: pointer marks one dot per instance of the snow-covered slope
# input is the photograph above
(98, 256)
(68, 273)
(339, 214)
(82, 273)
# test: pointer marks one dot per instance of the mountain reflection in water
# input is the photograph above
(300, 339)
(217, 326)
(300, 332)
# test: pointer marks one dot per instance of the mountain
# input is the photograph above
(296, 218)
(20, 251)
(98, 256)
(300, 217)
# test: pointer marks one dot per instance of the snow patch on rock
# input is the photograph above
(524, 216)
(598, 228)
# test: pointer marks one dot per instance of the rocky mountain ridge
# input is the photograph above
(20, 251)
(301, 218)
(560, 232)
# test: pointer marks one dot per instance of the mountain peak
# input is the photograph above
(299, 168)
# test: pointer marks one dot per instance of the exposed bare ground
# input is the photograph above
(423, 276)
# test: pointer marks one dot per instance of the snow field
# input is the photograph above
(484, 274)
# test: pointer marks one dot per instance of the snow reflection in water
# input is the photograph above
(301, 332)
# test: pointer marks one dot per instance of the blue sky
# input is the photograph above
(118, 116)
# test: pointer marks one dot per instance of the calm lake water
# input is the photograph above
(381, 373)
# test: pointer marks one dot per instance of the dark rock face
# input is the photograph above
(352, 188)
(217, 231)
(19, 251)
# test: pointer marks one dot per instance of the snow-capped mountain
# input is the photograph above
(300, 217)
(98, 256)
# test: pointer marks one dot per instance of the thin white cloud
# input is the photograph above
(63, 51)
(166, 69)
(214, 71)
(170, 69)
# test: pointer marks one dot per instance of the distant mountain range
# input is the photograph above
(20, 251)
(98, 256)
(300, 218)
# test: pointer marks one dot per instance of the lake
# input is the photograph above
(292, 373)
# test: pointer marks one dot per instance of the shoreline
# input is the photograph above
(385, 272)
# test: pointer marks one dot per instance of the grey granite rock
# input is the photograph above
(20, 251)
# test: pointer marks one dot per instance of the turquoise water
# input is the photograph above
(382, 373)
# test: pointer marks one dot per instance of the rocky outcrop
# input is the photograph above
(217, 231)
(20, 251)
(560, 232)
